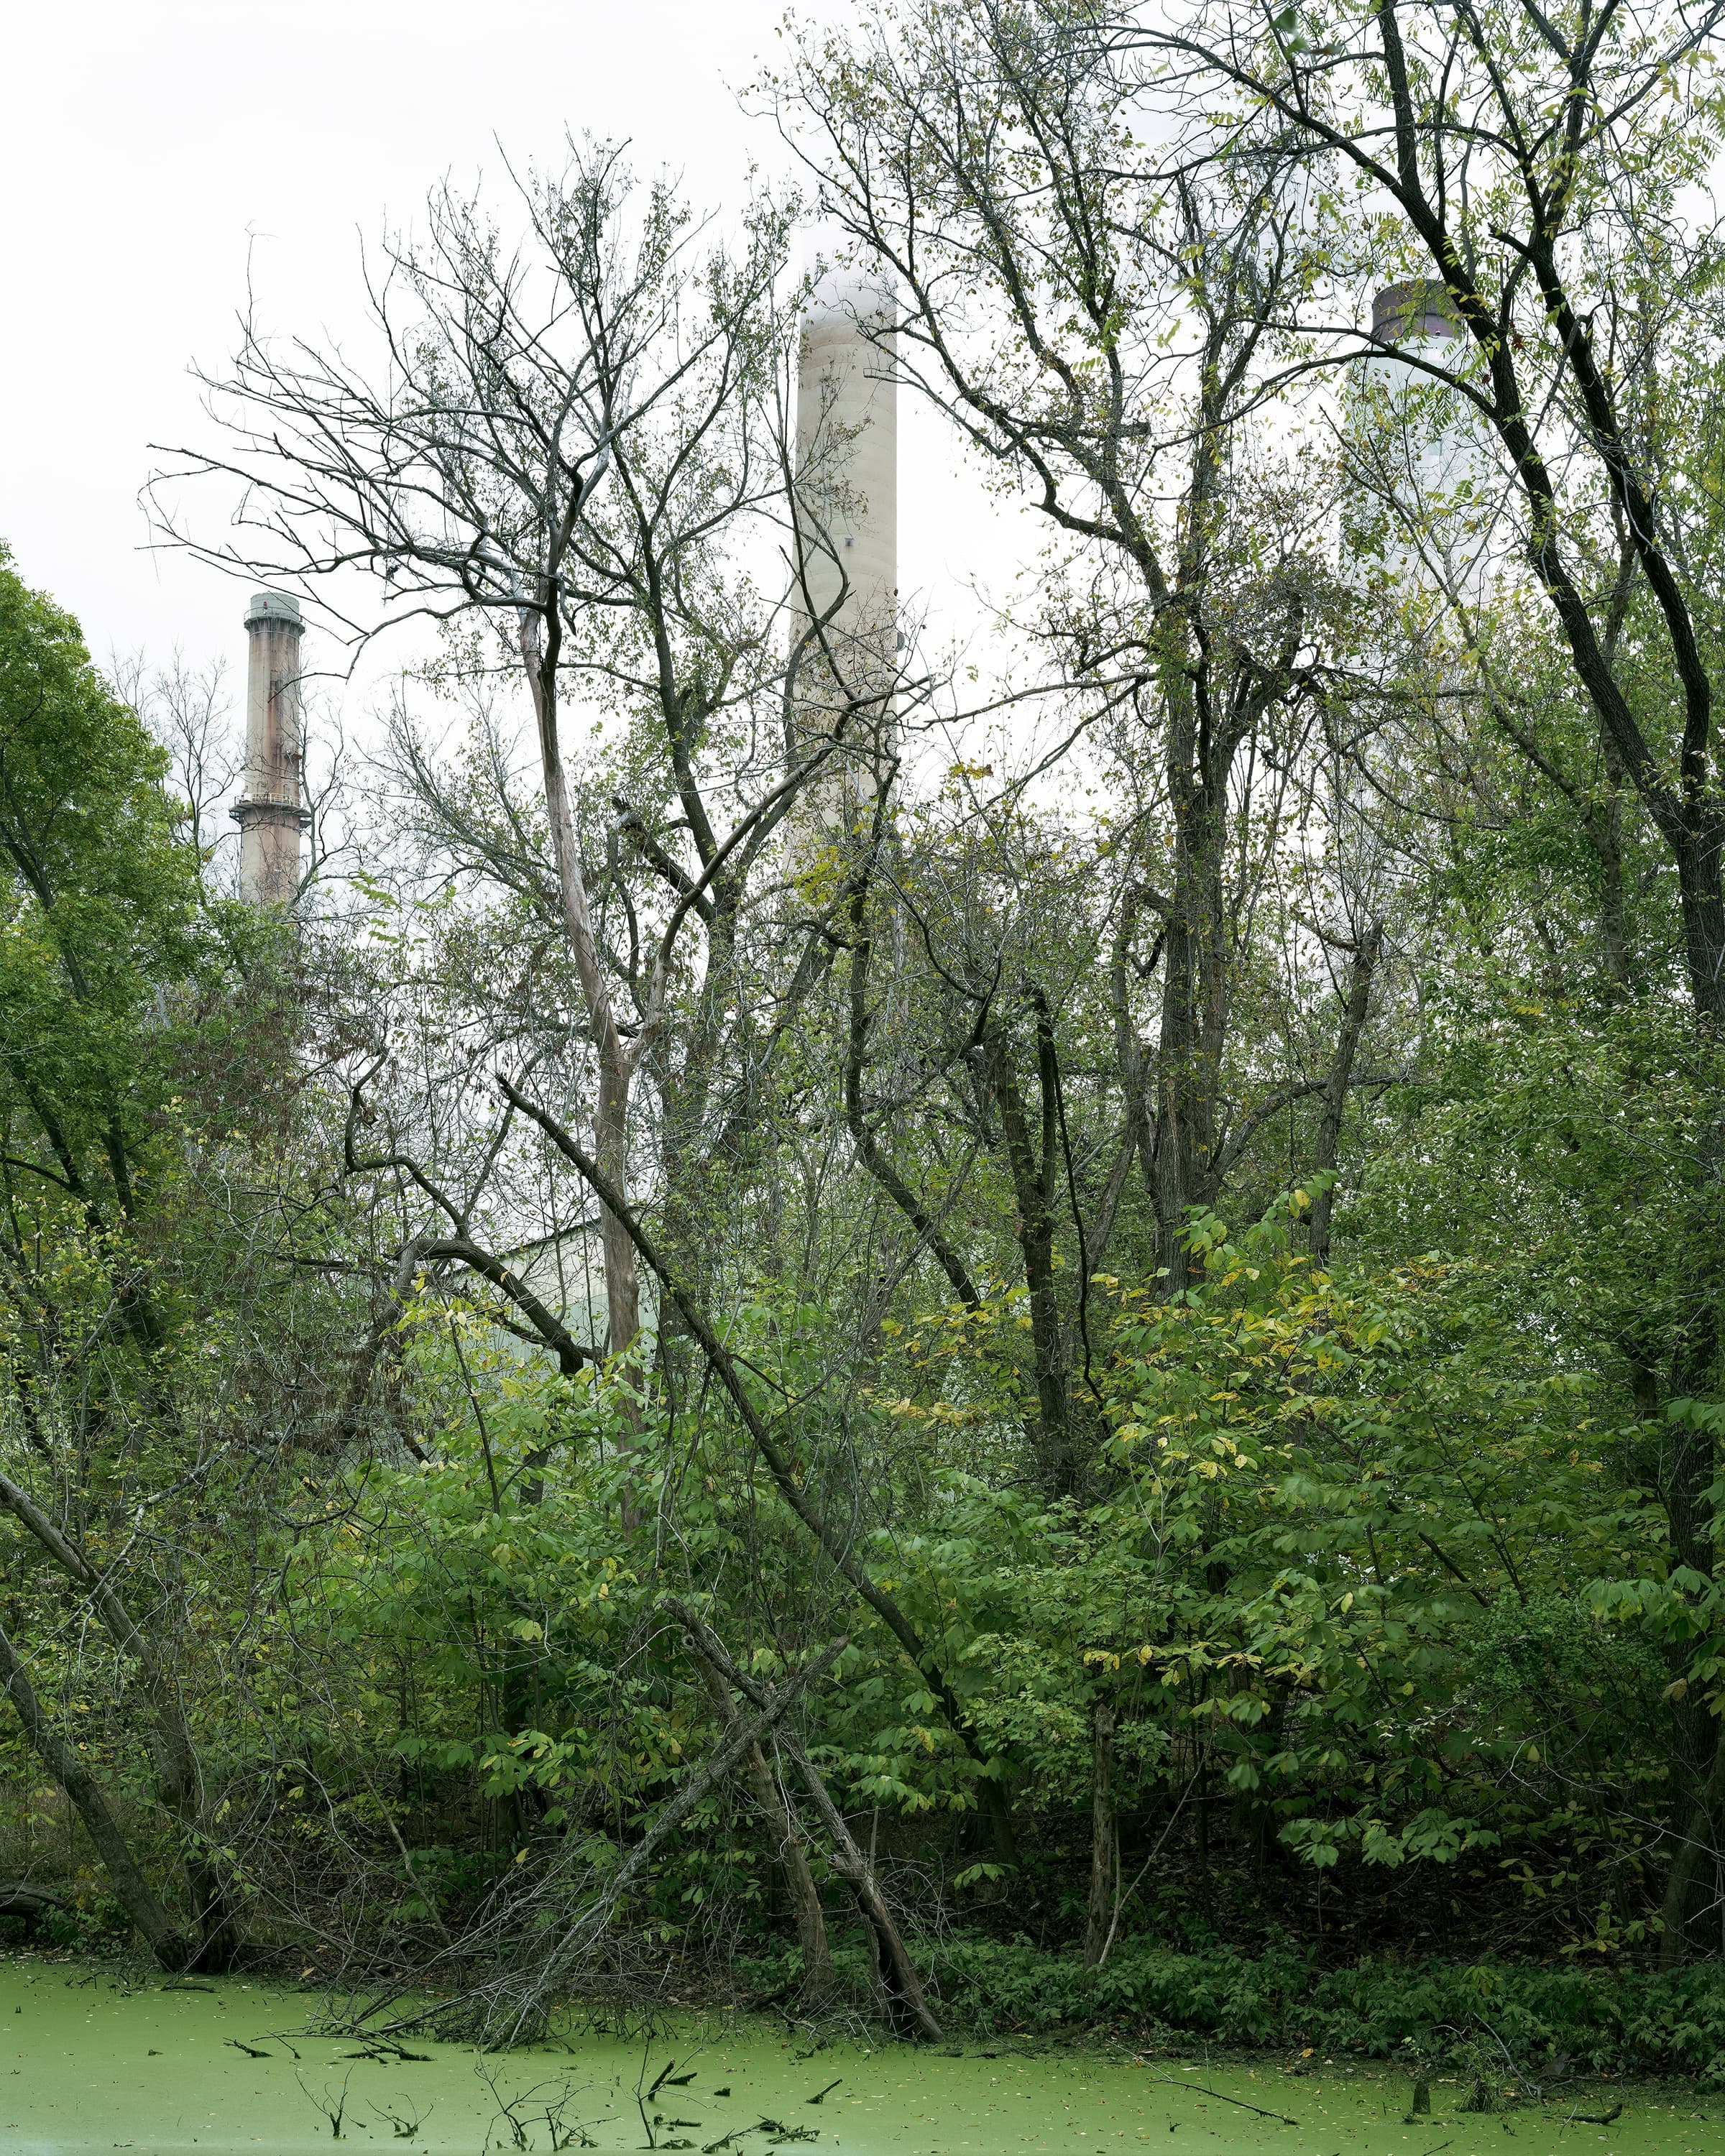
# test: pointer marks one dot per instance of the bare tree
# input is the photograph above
(1097, 331)
(1532, 170)
(560, 448)
(189, 712)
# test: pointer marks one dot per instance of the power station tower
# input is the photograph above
(846, 619)
(1424, 440)
(271, 814)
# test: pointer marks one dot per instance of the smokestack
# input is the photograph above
(1426, 438)
(847, 468)
(1412, 313)
(847, 452)
(271, 816)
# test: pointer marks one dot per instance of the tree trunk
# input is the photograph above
(623, 1293)
(868, 1148)
(169, 1945)
(1700, 1839)
(1099, 1919)
(1329, 1128)
(1033, 1179)
(788, 1847)
(1698, 1765)
(1605, 828)
(1698, 884)
(901, 1989)
(1195, 987)
(179, 1784)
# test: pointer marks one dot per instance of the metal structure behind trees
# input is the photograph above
(271, 814)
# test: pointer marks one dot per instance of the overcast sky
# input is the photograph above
(148, 150)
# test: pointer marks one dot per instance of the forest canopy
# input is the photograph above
(822, 1292)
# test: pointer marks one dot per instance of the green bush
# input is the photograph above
(1606, 2020)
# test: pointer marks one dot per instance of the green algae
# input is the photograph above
(93, 2062)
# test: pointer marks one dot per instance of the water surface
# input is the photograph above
(91, 2062)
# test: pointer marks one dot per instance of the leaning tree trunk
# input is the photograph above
(179, 1784)
(817, 1989)
(898, 1988)
(169, 1945)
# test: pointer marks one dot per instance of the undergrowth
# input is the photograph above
(1604, 2020)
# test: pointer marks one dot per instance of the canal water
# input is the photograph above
(90, 2061)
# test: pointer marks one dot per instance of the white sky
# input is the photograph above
(146, 150)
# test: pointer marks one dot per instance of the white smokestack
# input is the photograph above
(847, 472)
(1426, 438)
(847, 452)
(271, 816)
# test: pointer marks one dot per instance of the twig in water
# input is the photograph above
(1280, 2117)
(335, 2110)
(404, 2129)
(1594, 2117)
(674, 2074)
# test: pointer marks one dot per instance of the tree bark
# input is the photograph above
(170, 1946)
(1329, 1129)
(1099, 1920)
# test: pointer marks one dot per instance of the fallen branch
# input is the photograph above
(779, 1465)
(510, 2000)
(901, 1988)
(1192, 2088)
(22, 1897)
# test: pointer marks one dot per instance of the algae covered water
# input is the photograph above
(93, 2062)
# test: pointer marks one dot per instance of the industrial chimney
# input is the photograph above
(271, 816)
(847, 473)
(1427, 441)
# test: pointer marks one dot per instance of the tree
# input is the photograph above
(100, 903)
(1099, 337)
(565, 449)
(1533, 168)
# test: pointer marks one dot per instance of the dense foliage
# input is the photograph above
(1177, 1231)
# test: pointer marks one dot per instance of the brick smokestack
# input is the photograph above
(271, 816)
